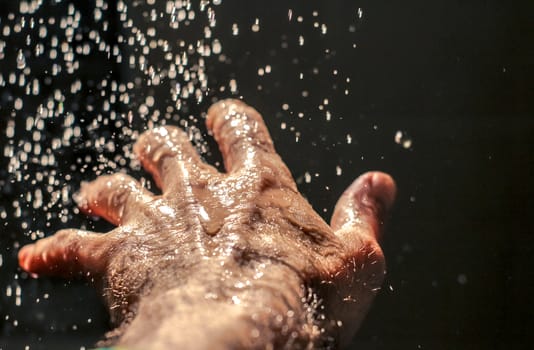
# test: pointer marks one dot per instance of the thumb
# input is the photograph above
(365, 203)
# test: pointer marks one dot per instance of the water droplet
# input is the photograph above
(256, 26)
(216, 47)
(18, 104)
(21, 60)
(235, 29)
(403, 139)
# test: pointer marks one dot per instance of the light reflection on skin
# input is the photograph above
(223, 194)
(353, 217)
(165, 209)
(251, 155)
(190, 198)
(203, 213)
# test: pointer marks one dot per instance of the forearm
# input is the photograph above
(271, 309)
(182, 320)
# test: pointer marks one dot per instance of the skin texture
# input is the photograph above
(223, 260)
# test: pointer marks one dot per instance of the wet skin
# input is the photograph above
(223, 260)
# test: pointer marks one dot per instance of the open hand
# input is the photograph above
(223, 260)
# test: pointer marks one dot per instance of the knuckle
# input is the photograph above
(266, 177)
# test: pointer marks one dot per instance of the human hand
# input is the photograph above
(223, 260)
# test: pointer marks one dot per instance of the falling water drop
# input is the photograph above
(21, 60)
(256, 25)
(235, 29)
(403, 139)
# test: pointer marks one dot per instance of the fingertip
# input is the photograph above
(373, 192)
(367, 200)
(217, 109)
(24, 257)
(80, 198)
(221, 105)
(382, 189)
(220, 110)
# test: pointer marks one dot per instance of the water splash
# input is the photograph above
(80, 82)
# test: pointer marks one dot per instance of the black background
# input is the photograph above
(458, 77)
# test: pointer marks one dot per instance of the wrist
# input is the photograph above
(265, 306)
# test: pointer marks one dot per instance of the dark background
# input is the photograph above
(457, 76)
